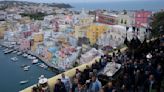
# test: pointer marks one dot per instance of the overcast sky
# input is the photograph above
(81, 1)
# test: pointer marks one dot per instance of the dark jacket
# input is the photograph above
(59, 88)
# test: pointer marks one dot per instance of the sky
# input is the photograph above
(84, 1)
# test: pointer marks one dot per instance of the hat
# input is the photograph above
(42, 79)
(149, 56)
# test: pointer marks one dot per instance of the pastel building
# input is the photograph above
(24, 44)
(125, 20)
(95, 32)
(141, 18)
(38, 37)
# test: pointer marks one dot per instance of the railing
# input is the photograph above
(69, 73)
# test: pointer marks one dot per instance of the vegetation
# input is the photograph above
(157, 23)
(35, 16)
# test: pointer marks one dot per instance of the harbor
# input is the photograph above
(14, 74)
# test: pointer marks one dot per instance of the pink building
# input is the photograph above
(24, 44)
(142, 17)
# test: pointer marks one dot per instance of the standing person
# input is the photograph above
(150, 84)
(80, 88)
(74, 84)
(59, 86)
(67, 82)
(109, 87)
(95, 84)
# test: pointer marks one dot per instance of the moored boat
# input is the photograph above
(14, 59)
(35, 61)
(24, 82)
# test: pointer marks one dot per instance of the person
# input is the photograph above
(59, 86)
(67, 82)
(80, 88)
(150, 84)
(74, 84)
(109, 87)
(95, 84)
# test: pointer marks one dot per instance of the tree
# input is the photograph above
(157, 23)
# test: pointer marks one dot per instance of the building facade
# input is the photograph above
(141, 18)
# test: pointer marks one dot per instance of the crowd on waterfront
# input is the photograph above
(140, 73)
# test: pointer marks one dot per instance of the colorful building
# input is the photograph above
(95, 32)
(125, 20)
(24, 44)
(107, 19)
(141, 18)
(38, 37)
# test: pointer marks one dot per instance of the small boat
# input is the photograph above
(19, 53)
(33, 57)
(24, 65)
(24, 82)
(29, 57)
(25, 55)
(35, 61)
(26, 68)
(14, 59)
(5, 50)
(43, 66)
(14, 51)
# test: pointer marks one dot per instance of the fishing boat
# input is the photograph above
(14, 59)
(35, 61)
(24, 82)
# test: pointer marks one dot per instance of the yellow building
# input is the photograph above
(38, 37)
(95, 31)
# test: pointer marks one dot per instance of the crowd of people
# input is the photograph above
(141, 72)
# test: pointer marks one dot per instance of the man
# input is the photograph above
(59, 86)
(110, 87)
(80, 88)
(150, 84)
(67, 82)
(95, 84)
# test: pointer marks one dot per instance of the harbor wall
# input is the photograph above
(69, 73)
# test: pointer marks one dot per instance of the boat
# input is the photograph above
(43, 66)
(24, 82)
(29, 57)
(14, 59)
(8, 51)
(14, 51)
(26, 68)
(19, 53)
(35, 61)
(25, 55)
(24, 65)
(33, 57)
